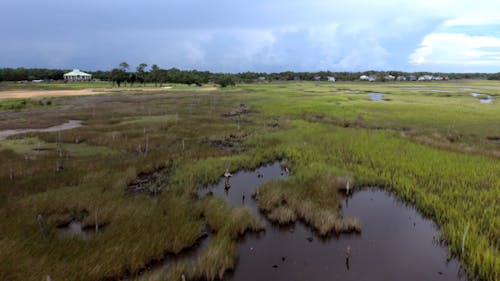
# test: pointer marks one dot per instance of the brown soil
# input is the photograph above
(47, 93)
(84, 92)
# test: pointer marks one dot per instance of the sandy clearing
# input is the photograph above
(85, 92)
(47, 93)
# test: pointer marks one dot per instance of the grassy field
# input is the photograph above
(432, 144)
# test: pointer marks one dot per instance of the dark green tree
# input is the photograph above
(124, 66)
(141, 73)
(225, 80)
(154, 74)
(118, 76)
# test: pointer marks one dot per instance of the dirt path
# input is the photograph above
(85, 92)
(48, 93)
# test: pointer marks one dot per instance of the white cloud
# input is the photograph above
(472, 21)
(457, 49)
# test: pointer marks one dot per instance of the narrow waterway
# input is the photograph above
(71, 124)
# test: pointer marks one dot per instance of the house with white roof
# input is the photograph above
(371, 78)
(389, 77)
(77, 75)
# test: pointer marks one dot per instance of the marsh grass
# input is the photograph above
(453, 182)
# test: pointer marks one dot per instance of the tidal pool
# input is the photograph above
(487, 99)
(483, 98)
(376, 96)
(396, 242)
(75, 229)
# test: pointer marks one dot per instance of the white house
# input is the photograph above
(426, 78)
(389, 78)
(401, 78)
(331, 79)
(77, 75)
(371, 78)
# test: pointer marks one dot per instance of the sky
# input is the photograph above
(257, 35)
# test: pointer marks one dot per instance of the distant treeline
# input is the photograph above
(155, 74)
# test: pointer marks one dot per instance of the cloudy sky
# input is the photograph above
(258, 35)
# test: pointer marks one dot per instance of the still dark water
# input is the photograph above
(396, 242)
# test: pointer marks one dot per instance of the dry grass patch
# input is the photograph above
(314, 200)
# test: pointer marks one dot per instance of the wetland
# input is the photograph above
(308, 197)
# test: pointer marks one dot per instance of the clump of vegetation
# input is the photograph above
(282, 215)
(13, 104)
(314, 200)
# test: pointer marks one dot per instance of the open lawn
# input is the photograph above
(433, 145)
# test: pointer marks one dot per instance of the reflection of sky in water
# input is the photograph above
(75, 229)
(489, 99)
(376, 96)
(396, 242)
(483, 98)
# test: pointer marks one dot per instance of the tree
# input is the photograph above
(225, 80)
(132, 78)
(155, 74)
(124, 66)
(118, 76)
(141, 73)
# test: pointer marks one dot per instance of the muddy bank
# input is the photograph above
(241, 110)
(151, 182)
(71, 124)
(231, 147)
(188, 256)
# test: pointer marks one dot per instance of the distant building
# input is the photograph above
(425, 78)
(317, 78)
(401, 78)
(77, 75)
(371, 78)
(389, 78)
(413, 78)
(261, 79)
(331, 78)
